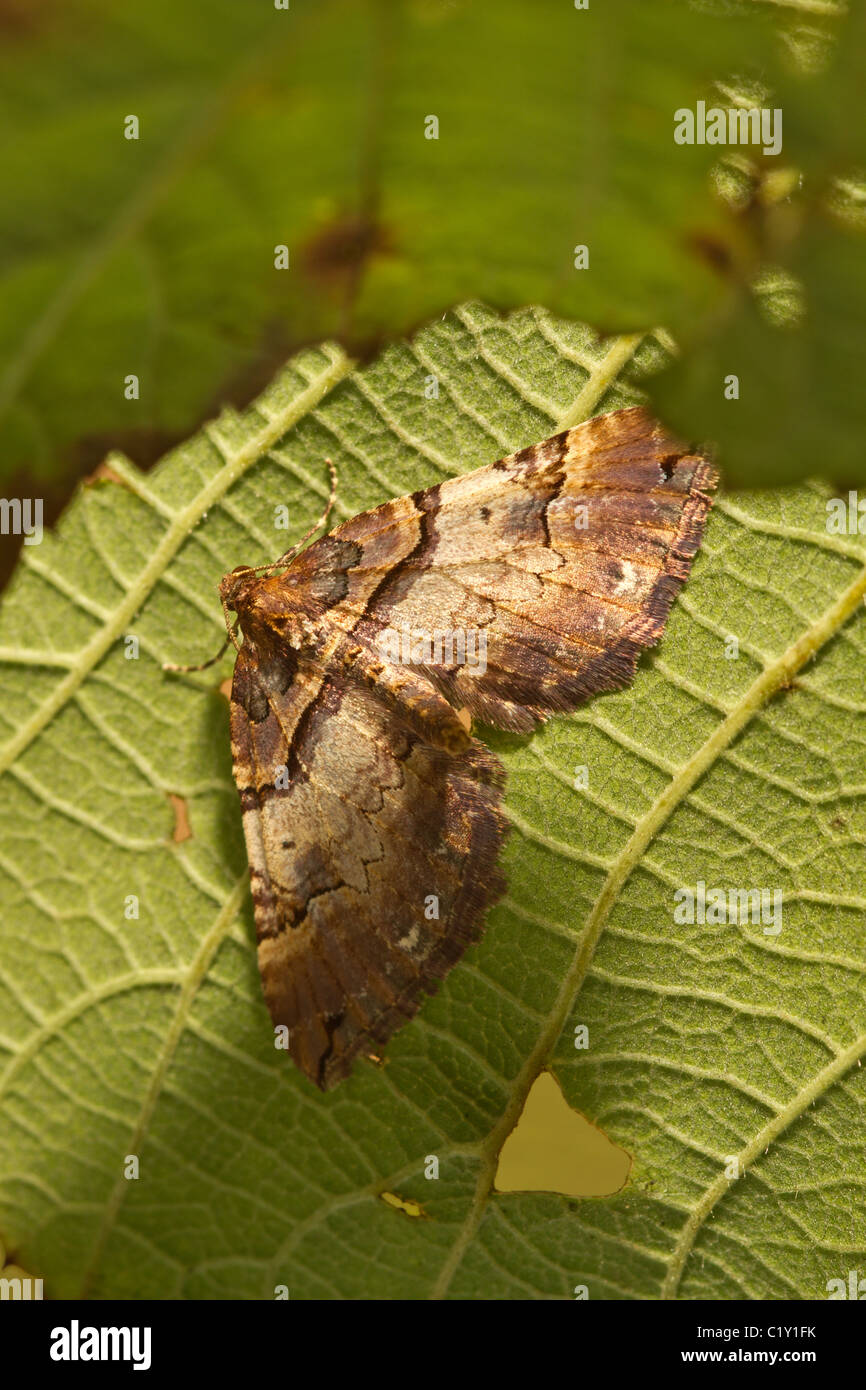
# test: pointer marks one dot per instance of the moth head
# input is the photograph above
(234, 586)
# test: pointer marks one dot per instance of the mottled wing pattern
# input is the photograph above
(566, 556)
(372, 856)
(371, 819)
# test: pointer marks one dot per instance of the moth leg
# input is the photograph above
(413, 696)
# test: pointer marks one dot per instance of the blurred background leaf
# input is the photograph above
(792, 331)
(799, 411)
(305, 127)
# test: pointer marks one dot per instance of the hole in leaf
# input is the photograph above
(553, 1148)
(409, 1208)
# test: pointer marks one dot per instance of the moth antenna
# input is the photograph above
(290, 554)
(231, 631)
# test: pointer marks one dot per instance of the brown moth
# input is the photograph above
(372, 816)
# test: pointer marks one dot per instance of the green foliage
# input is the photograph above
(799, 411)
(149, 1037)
(306, 127)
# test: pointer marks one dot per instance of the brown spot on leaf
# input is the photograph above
(338, 251)
(104, 473)
(22, 18)
(712, 251)
(181, 819)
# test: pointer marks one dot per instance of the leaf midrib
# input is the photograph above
(173, 537)
(775, 676)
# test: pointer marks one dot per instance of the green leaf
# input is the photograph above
(148, 1037)
(305, 127)
(799, 408)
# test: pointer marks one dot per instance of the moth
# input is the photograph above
(371, 813)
